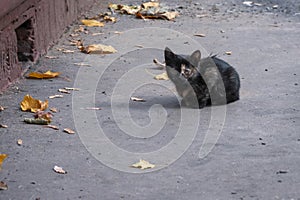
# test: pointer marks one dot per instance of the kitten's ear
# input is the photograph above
(195, 57)
(169, 55)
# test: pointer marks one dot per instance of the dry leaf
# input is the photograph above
(43, 115)
(53, 110)
(200, 35)
(64, 91)
(228, 52)
(82, 64)
(47, 74)
(38, 121)
(137, 99)
(56, 96)
(118, 32)
(33, 105)
(109, 18)
(163, 76)
(70, 88)
(74, 35)
(69, 131)
(65, 50)
(3, 186)
(2, 158)
(93, 108)
(139, 46)
(51, 57)
(98, 49)
(169, 15)
(3, 126)
(59, 170)
(80, 29)
(2, 108)
(94, 34)
(19, 142)
(53, 127)
(150, 4)
(77, 43)
(143, 164)
(159, 64)
(92, 22)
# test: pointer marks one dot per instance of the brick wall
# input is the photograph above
(28, 28)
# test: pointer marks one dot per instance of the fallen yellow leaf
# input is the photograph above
(98, 49)
(2, 158)
(52, 126)
(143, 164)
(92, 22)
(163, 76)
(69, 131)
(3, 185)
(47, 74)
(59, 170)
(31, 104)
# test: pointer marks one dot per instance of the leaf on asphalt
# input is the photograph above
(31, 104)
(53, 110)
(2, 108)
(65, 50)
(77, 43)
(137, 99)
(228, 52)
(163, 76)
(64, 91)
(118, 32)
(143, 164)
(3, 126)
(45, 75)
(43, 115)
(52, 126)
(159, 64)
(69, 131)
(168, 15)
(2, 158)
(92, 22)
(82, 64)
(19, 142)
(3, 186)
(38, 121)
(200, 35)
(51, 57)
(92, 108)
(56, 96)
(110, 19)
(98, 49)
(70, 88)
(59, 170)
(150, 4)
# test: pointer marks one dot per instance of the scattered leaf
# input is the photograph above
(2, 158)
(94, 34)
(93, 108)
(52, 126)
(150, 4)
(163, 76)
(39, 121)
(201, 16)
(59, 170)
(53, 110)
(159, 64)
(228, 52)
(74, 35)
(43, 115)
(169, 15)
(3, 186)
(92, 22)
(109, 18)
(98, 49)
(47, 74)
(200, 35)
(19, 142)
(143, 164)
(248, 3)
(2, 108)
(77, 43)
(82, 64)
(64, 91)
(70, 88)
(31, 104)
(139, 46)
(118, 32)
(137, 99)
(69, 131)
(3, 126)
(51, 57)
(56, 96)
(80, 29)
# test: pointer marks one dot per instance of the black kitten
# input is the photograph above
(201, 82)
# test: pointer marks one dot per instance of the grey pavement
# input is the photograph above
(256, 140)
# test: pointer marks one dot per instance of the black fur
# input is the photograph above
(202, 82)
